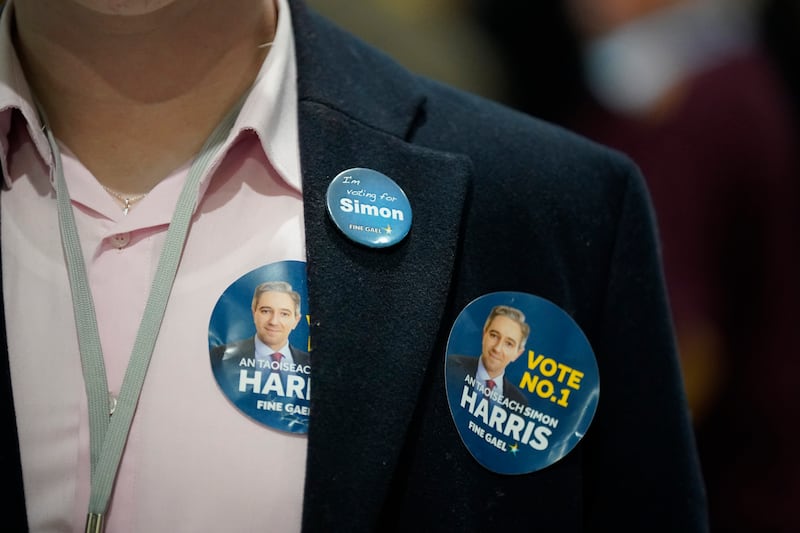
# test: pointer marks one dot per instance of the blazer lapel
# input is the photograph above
(376, 313)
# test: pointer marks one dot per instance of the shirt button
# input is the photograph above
(120, 240)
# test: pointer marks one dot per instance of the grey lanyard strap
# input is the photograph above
(108, 434)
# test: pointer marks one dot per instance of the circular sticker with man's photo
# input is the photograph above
(259, 346)
(522, 381)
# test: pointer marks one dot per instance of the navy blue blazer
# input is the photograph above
(500, 201)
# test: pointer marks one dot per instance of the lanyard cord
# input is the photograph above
(108, 434)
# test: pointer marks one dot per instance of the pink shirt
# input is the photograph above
(192, 461)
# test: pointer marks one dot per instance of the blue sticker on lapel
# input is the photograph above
(522, 381)
(369, 207)
(259, 346)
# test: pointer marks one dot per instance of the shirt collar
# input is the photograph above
(15, 94)
(270, 109)
(482, 375)
(264, 352)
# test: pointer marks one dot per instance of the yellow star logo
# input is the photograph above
(514, 449)
(388, 230)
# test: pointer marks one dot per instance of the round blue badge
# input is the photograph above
(522, 381)
(259, 346)
(369, 207)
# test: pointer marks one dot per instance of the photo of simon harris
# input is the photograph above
(276, 313)
(503, 341)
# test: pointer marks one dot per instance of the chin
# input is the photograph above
(124, 7)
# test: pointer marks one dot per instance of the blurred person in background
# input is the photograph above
(438, 39)
(685, 87)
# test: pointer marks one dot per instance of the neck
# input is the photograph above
(134, 97)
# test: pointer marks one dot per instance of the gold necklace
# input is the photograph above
(127, 201)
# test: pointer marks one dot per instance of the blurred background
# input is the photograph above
(704, 95)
